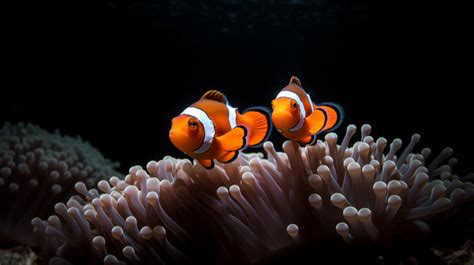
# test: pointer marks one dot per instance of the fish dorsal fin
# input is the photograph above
(295, 80)
(215, 95)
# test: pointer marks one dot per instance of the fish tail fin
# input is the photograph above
(258, 122)
(334, 114)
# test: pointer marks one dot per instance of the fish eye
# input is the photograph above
(294, 105)
(192, 123)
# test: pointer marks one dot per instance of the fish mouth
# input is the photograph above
(177, 134)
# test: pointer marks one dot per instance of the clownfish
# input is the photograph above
(296, 117)
(211, 129)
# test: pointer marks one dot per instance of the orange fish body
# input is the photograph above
(297, 118)
(211, 129)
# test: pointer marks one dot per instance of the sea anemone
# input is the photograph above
(175, 212)
(37, 170)
(368, 194)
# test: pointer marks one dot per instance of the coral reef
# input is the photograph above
(177, 212)
(37, 170)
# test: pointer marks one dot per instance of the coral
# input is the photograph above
(246, 211)
(17, 255)
(462, 255)
(37, 170)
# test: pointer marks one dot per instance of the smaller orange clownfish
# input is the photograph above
(296, 117)
(211, 129)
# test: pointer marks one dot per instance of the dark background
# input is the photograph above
(116, 72)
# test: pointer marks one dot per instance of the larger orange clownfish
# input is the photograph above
(211, 129)
(297, 118)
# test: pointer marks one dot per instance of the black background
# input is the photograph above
(117, 72)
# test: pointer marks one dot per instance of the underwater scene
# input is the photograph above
(236, 132)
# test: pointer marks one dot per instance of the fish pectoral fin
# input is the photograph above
(234, 139)
(228, 157)
(316, 121)
(206, 163)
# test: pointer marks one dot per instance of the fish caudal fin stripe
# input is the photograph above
(207, 163)
(333, 113)
(234, 139)
(258, 122)
(228, 157)
(316, 121)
